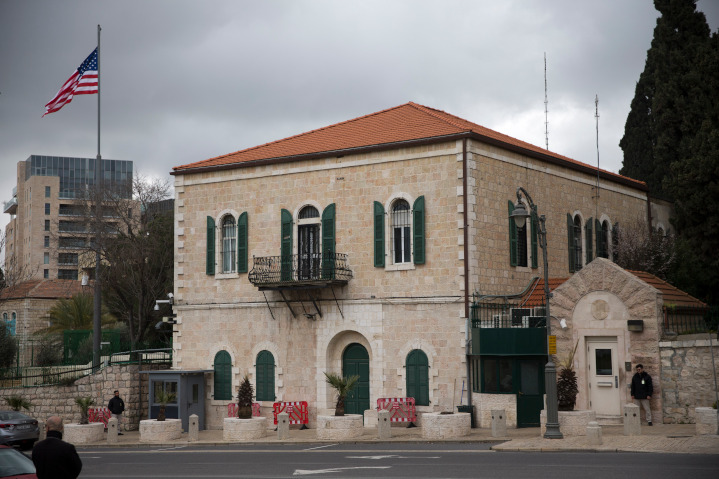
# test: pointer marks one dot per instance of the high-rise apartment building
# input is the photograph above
(45, 236)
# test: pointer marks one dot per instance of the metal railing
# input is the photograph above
(507, 315)
(300, 268)
(690, 319)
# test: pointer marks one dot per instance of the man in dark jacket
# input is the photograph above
(116, 407)
(642, 391)
(53, 457)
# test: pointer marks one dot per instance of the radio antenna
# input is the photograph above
(546, 116)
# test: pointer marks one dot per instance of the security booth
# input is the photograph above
(188, 388)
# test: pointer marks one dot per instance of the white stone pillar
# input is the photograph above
(194, 428)
(283, 426)
(499, 423)
(384, 425)
(632, 421)
(112, 430)
(594, 433)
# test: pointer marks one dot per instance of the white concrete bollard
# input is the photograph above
(283, 426)
(594, 433)
(112, 430)
(384, 425)
(706, 420)
(194, 426)
(499, 423)
(632, 421)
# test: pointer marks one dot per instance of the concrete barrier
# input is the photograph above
(84, 433)
(632, 421)
(499, 423)
(152, 430)
(283, 426)
(444, 426)
(571, 423)
(706, 420)
(339, 428)
(384, 425)
(112, 430)
(236, 429)
(594, 433)
(194, 428)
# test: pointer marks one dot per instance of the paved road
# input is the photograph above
(385, 461)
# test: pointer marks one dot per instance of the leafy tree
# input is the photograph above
(73, 313)
(640, 249)
(48, 352)
(8, 347)
(669, 103)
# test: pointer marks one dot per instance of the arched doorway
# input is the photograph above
(355, 361)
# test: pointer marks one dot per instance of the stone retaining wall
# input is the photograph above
(60, 400)
(686, 377)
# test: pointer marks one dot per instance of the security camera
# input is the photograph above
(563, 323)
(170, 295)
(158, 325)
(157, 307)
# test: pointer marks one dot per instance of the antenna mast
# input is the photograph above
(596, 116)
(546, 117)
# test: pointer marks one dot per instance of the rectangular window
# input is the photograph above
(47, 242)
(170, 387)
(67, 259)
(46, 273)
(46, 258)
(47, 208)
(603, 359)
(47, 192)
(47, 225)
(497, 376)
(67, 274)
(522, 245)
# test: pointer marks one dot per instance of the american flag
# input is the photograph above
(82, 82)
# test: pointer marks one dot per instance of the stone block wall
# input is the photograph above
(60, 400)
(687, 377)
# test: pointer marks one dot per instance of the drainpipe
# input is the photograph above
(468, 330)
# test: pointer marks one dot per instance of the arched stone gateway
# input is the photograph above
(350, 353)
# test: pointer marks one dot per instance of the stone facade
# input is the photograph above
(389, 310)
(60, 400)
(687, 377)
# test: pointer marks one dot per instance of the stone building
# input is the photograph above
(356, 248)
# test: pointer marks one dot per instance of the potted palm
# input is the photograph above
(340, 426)
(567, 389)
(84, 432)
(161, 429)
(18, 402)
(163, 398)
(244, 426)
(244, 399)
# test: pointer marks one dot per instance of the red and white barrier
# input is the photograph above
(99, 414)
(232, 409)
(297, 410)
(401, 409)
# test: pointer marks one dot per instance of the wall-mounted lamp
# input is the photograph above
(636, 325)
(169, 301)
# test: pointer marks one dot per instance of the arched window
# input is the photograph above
(13, 322)
(418, 377)
(265, 367)
(229, 244)
(308, 243)
(574, 242)
(401, 232)
(603, 240)
(223, 376)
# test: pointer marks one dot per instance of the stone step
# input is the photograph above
(610, 420)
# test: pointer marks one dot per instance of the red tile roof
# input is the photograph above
(670, 294)
(389, 128)
(45, 289)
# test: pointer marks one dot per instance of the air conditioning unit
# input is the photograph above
(535, 321)
(540, 311)
(516, 315)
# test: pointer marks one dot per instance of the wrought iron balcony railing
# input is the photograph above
(300, 270)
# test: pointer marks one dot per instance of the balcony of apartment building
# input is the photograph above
(10, 207)
(508, 328)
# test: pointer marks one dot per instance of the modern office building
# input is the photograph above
(45, 236)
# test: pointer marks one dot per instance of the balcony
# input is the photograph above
(10, 207)
(303, 271)
(508, 329)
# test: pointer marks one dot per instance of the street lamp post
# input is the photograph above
(520, 215)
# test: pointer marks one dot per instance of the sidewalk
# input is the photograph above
(666, 438)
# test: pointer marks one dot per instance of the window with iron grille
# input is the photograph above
(401, 222)
(67, 274)
(229, 244)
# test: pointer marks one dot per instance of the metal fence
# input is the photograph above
(507, 315)
(66, 375)
(690, 319)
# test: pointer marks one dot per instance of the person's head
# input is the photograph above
(117, 393)
(640, 368)
(54, 423)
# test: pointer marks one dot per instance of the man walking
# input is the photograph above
(53, 457)
(642, 390)
(116, 407)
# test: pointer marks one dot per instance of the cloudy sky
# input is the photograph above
(184, 81)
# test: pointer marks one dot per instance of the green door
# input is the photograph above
(355, 361)
(530, 391)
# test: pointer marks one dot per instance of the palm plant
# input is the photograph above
(343, 385)
(74, 313)
(163, 397)
(17, 402)
(85, 403)
(244, 399)
(567, 389)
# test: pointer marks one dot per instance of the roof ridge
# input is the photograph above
(299, 135)
(433, 112)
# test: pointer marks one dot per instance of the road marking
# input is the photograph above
(391, 457)
(307, 472)
(168, 449)
(319, 447)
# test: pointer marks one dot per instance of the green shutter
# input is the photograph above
(600, 239)
(223, 376)
(265, 368)
(512, 235)
(570, 242)
(378, 234)
(418, 230)
(588, 239)
(535, 233)
(242, 234)
(286, 247)
(328, 242)
(417, 371)
(210, 260)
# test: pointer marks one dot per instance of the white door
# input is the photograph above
(603, 376)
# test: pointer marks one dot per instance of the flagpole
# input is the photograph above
(97, 302)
